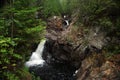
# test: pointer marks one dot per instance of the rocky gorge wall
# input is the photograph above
(83, 48)
(75, 52)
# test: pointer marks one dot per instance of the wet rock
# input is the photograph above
(55, 52)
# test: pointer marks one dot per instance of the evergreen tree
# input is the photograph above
(19, 29)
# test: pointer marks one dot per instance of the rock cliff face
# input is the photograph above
(81, 48)
(97, 68)
(75, 53)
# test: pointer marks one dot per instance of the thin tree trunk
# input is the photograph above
(12, 17)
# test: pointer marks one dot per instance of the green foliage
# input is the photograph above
(98, 12)
(51, 8)
(11, 76)
(7, 49)
(58, 7)
(69, 6)
(19, 30)
(112, 50)
(8, 59)
(105, 14)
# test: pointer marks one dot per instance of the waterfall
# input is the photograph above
(36, 57)
(67, 22)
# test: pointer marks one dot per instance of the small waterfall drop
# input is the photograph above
(36, 57)
(67, 23)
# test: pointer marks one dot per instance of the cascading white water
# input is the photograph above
(36, 57)
(67, 22)
(49, 69)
